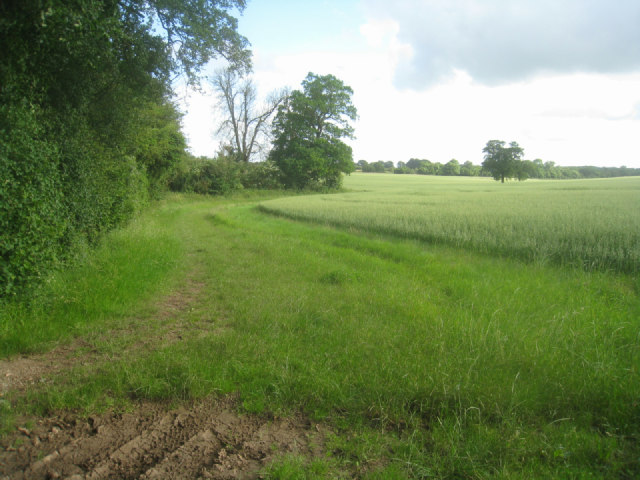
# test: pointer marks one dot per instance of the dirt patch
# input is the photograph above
(208, 440)
(21, 373)
(168, 324)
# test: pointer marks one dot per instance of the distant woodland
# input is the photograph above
(533, 169)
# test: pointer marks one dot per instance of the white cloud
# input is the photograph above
(379, 32)
(198, 122)
(501, 41)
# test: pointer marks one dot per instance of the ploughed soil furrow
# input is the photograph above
(205, 440)
(189, 460)
(148, 448)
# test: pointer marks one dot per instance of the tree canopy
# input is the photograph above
(87, 127)
(308, 130)
(502, 162)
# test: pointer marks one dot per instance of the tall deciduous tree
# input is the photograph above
(308, 130)
(246, 123)
(500, 161)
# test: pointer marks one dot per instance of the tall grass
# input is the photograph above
(427, 361)
(106, 286)
(594, 224)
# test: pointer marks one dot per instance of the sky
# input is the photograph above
(438, 79)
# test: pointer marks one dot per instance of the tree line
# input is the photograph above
(501, 162)
(89, 131)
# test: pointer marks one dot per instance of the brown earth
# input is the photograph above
(24, 372)
(208, 439)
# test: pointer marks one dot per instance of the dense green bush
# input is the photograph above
(56, 192)
(261, 175)
(158, 144)
(222, 175)
(204, 175)
(219, 176)
(33, 214)
(87, 131)
(103, 187)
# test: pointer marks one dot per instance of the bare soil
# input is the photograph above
(208, 439)
(24, 372)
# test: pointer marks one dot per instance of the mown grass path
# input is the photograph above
(426, 361)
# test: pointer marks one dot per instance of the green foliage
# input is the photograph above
(402, 170)
(308, 128)
(468, 169)
(102, 187)
(87, 131)
(223, 175)
(261, 175)
(451, 168)
(157, 143)
(216, 176)
(523, 169)
(314, 163)
(374, 167)
(425, 167)
(415, 163)
(33, 214)
(196, 31)
(503, 162)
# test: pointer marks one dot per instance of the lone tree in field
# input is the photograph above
(308, 129)
(246, 123)
(500, 161)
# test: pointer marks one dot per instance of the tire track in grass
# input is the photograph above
(25, 372)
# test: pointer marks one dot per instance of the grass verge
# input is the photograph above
(428, 361)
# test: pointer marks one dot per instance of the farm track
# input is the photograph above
(166, 326)
(206, 440)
